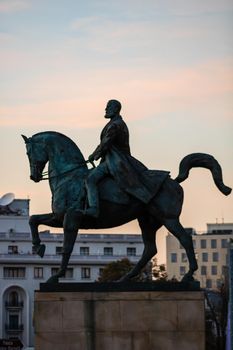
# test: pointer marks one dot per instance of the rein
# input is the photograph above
(46, 173)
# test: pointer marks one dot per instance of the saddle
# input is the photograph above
(109, 189)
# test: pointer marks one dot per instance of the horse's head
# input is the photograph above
(37, 155)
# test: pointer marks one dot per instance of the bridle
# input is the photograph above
(45, 174)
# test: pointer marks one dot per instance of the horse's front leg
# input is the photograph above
(42, 219)
(71, 225)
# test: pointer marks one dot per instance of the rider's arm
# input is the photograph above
(106, 142)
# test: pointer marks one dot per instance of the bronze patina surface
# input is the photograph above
(118, 190)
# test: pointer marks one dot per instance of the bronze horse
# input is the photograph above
(67, 171)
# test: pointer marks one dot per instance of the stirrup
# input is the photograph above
(91, 211)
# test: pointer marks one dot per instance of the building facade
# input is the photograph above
(211, 249)
(21, 271)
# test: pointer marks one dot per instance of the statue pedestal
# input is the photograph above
(114, 320)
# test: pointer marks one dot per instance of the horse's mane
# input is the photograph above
(55, 133)
(72, 145)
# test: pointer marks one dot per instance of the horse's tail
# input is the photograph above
(203, 160)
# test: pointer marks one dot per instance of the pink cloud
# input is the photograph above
(59, 113)
(83, 23)
(61, 101)
(9, 6)
(187, 8)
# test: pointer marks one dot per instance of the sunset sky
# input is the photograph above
(169, 62)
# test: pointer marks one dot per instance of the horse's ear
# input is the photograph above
(25, 138)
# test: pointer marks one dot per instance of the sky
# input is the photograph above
(170, 64)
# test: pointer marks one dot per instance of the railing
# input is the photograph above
(14, 328)
(121, 237)
(4, 235)
(75, 257)
(10, 304)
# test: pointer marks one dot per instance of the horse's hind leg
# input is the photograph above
(175, 227)
(149, 228)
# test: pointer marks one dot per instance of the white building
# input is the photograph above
(211, 250)
(21, 271)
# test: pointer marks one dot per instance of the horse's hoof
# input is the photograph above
(53, 280)
(187, 279)
(123, 279)
(41, 250)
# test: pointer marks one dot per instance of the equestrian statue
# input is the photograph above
(120, 189)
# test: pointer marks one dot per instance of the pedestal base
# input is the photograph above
(113, 320)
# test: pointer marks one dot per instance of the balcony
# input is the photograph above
(75, 258)
(14, 328)
(10, 305)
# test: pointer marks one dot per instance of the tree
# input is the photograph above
(115, 270)
(159, 272)
(216, 315)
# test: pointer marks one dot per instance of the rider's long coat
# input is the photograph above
(131, 175)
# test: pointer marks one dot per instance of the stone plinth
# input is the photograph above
(133, 320)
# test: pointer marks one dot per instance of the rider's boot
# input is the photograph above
(93, 200)
(92, 211)
(91, 184)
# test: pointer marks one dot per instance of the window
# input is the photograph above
(54, 270)
(205, 257)
(219, 283)
(69, 272)
(58, 250)
(224, 243)
(182, 270)
(14, 272)
(131, 251)
(173, 257)
(183, 257)
(208, 283)
(13, 299)
(85, 272)
(222, 231)
(203, 243)
(213, 243)
(203, 270)
(38, 272)
(215, 256)
(84, 251)
(101, 269)
(194, 244)
(14, 322)
(108, 251)
(12, 249)
(224, 270)
(214, 270)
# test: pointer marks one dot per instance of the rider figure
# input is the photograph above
(116, 160)
(115, 135)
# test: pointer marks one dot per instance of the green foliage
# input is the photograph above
(159, 271)
(115, 270)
